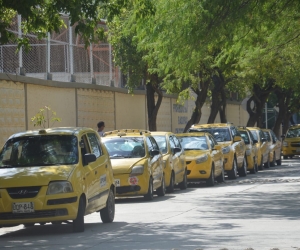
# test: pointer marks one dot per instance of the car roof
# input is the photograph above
(52, 131)
(192, 134)
(212, 125)
(161, 133)
(253, 128)
(127, 132)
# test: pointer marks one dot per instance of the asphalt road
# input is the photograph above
(257, 212)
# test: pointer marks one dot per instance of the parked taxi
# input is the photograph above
(55, 175)
(234, 148)
(291, 142)
(274, 147)
(263, 157)
(175, 170)
(204, 158)
(251, 149)
(136, 161)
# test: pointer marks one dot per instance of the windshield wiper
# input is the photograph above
(120, 156)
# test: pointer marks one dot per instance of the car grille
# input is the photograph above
(23, 192)
(36, 214)
(295, 144)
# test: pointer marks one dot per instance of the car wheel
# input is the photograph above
(272, 164)
(232, 174)
(78, 223)
(254, 169)
(183, 185)
(161, 191)
(221, 178)
(170, 188)
(210, 182)
(243, 170)
(267, 164)
(261, 166)
(107, 214)
(149, 195)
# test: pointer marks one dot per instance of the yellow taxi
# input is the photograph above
(175, 170)
(274, 147)
(291, 142)
(136, 161)
(55, 175)
(204, 158)
(263, 157)
(251, 149)
(234, 148)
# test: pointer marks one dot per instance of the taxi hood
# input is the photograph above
(190, 155)
(33, 176)
(225, 143)
(123, 166)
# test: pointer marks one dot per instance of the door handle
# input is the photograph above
(96, 172)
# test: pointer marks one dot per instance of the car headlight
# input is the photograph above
(285, 143)
(59, 187)
(248, 151)
(201, 159)
(137, 170)
(226, 150)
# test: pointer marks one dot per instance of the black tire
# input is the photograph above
(78, 223)
(285, 157)
(272, 164)
(183, 185)
(161, 191)
(210, 182)
(28, 225)
(261, 166)
(267, 164)
(221, 178)
(255, 167)
(278, 162)
(149, 195)
(107, 214)
(170, 188)
(232, 174)
(243, 170)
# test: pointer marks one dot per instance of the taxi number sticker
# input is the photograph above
(117, 182)
(133, 180)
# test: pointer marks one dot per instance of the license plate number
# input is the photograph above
(23, 207)
(117, 182)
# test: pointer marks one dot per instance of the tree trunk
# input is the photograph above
(283, 103)
(222, 108)
(152, 108)
(259, 97)
(201, 98)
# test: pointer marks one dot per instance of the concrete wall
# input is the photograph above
(80, 104)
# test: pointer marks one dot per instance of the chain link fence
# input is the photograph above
(61, 57)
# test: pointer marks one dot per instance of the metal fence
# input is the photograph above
(61, 57)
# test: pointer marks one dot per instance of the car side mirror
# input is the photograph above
(237, 138)
(263, 139)
(283, 136)
(217, 147)
(89, 158)
(154, 152)
(176, 150)
(255, 141)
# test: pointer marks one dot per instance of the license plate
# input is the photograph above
(23, 207)
(117, 182)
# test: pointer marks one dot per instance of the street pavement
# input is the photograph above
(257, 212)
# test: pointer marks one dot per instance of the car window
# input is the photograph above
(211, 141)
(176, 141)
(40, 151)
(95, 144)
(293, 132)
(255, 136)
(162, 143)
(274, 137)
(261, 135)
(245, 136)
(193, 142)
(267, 136)
(154, 143)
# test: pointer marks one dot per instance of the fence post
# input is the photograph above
(73, 78)
(20, 69)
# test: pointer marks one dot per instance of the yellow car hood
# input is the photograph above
(33, 176)
(191, 155)
(123, 166)
(293, 139)
(225, 143)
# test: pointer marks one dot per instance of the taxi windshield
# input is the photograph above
(193, 142)
(220, 134)
(129, 147)
(42, 150)
(293, 132)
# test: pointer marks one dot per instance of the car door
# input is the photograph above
(177, 158)
(264, 146)
(100, 167)
(155, 162)
(277, 145)
(239, 146)
(217, 155)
